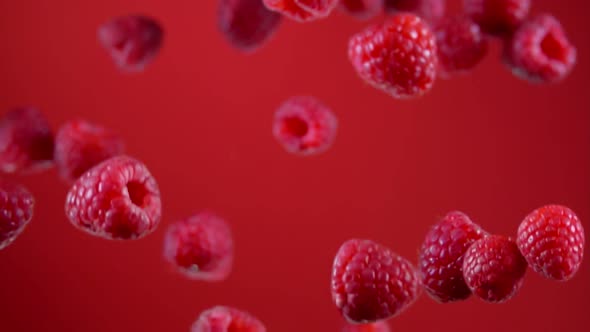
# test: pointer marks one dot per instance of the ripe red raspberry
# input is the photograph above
(429, 10)
(26, 141)
(441, 256)
(246, 24)
(201, 247)
(374, 327)
(497, 17)
(117, 199)
(302, 10)
(132, 41)
(362, 9)
(551, 239)
(16, 211)
(540, 52)
(372, 283)
(226, 319)
(460, 45)
(304, 126)
(494, 269)
(398, 57)
(81, 145)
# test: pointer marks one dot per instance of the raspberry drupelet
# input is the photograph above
(497, 17)
(227, 319)
(362, 9)
(302, 10)
(373, 327)
(117, 199)
(429, 10)
(16, 211)
(201, 247)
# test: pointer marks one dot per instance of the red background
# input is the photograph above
(200, 116)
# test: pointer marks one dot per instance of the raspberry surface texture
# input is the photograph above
(540, 52)
(26, 141)
(441, 257)
(429, 10)
(305, 126)
(201, 247)
(16, 211)
(302, 10)
(373, 327)
(552, 240)
(133, 41)
(494, 269)
(371, 283)
(81, 145)
(397, 57)
(246, 24)
(117, 199)
(362, 9)
(497, 17)
(226, 319)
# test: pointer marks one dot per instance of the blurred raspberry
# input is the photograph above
(226, 319)
(16, 211)
(201, 247)
(374, 327)
(497, 17)
(26, 141)
(133, 41)
(429, 10)
(302, 10)
(117, 199)
(362, 9)
(81, 145)
(551, 239)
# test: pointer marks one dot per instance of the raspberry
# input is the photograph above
(246, 24)
(460, 45)
(201, 247)
(117, 199)
(441, 257)
(430, 10)
(302, 10)
(398, 57)
(16, 211)
(497, 17)
(540, 52)
(26, 141)
(494, 268)
(304, 126)
(133, 41)
(374, 327)
(226, 319)
(362, 9)
(551, 239)
(81, 145)
(372, 283)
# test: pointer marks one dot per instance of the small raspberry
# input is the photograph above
(398, 57)
(133, 41)
(302, 10)
(374, 327)
(497, 17)
(372, 283)
(246, 24)
(226, 319)
(26, 141)
(540, 52)
(81, 145)
(551, 239)
(362, 9)
(304, 126)
(117, 199)
(201, 247)
(494, 269)
(441, 257)
(429, 10)
(460, 45)
(16, 211)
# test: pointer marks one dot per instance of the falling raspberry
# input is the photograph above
(26, 141)
(362, 9)
(551, 239)
(374, 327)
(117, 199)
(397, 57)
(133, 41)
(226, 319)
(304, 126)
(302, 10)
(497, 17)
(16, 211)
(201, 247)
(429, 10)
(372, 283)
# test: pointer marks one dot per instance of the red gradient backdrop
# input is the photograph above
(200, 117)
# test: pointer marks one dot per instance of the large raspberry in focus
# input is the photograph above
(397, 57)
(117, 199)
(552, 239)
(372, 283)
(302, 10)
(226, 319)
(374, 327)
(81, 145)
(362, 9)
(201, 247)
(26, 141)
(16, 211)
(133, 41)
(429, 10)
(441, 256)
(497, 17)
